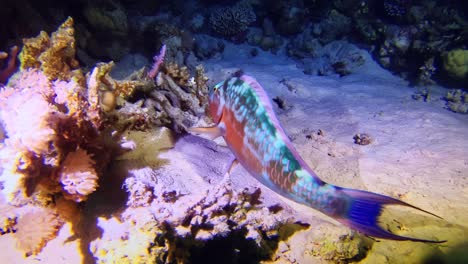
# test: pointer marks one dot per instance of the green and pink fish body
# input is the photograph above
(245, 118)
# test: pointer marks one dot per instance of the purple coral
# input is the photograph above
(158, 60)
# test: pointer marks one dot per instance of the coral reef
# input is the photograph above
(58, 141)
(158, 60)
(396, 8)
(179, 100)
(111, 18)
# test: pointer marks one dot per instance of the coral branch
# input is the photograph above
(158, 60)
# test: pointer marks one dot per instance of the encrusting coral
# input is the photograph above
(54, 55)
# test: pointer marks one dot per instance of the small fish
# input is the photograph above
(244, 116)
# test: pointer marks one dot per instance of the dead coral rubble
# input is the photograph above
(185, 223)
(179, 99)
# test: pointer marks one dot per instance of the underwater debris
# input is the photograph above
(57, 140)
(180, 100)
(362, 139)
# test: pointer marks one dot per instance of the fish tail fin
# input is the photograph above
(364, 210)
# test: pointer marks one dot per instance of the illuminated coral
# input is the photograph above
(27, 129)
(54, 55)
(31, 238)
(78, 176)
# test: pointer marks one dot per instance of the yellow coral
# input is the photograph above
(180, 74)
(456, 63)
(78, 176)
(32, 48)
(55, 56)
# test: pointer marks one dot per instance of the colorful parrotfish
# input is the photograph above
(244, 116)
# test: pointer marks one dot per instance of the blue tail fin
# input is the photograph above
(365, 209)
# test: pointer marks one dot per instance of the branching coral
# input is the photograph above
(179, 107)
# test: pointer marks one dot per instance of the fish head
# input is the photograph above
(215, 105)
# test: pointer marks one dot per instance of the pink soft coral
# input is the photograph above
(25, 113)
(78, 176)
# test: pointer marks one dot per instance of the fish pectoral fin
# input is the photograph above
(232, 165)
(209, 132)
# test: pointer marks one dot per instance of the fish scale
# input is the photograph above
(245, 118)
